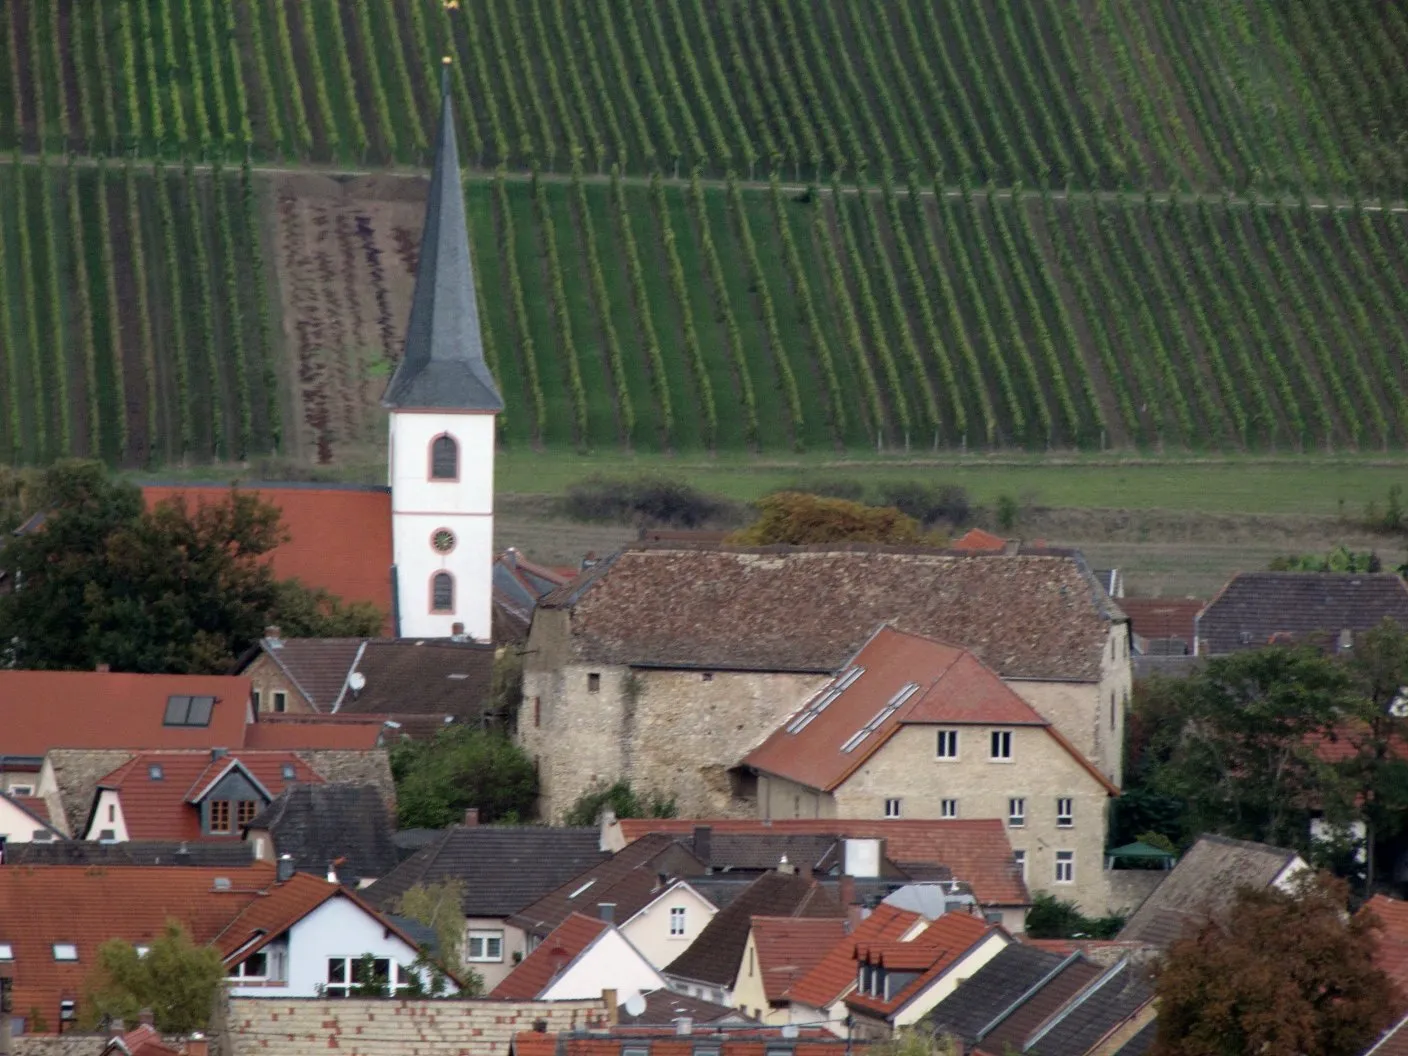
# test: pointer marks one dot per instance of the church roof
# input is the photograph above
(443, 365)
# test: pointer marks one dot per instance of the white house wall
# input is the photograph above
(16, 826)
(649, 930)
(109, 803)
(922, 1004)
(610, 963)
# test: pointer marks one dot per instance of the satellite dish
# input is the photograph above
(357, 681)
(635, 1005)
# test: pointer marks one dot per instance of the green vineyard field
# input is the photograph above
(1309, 95)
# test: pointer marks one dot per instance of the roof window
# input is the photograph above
(287, 771)
(154, 772)
(188, 711)
(895, 703)
(579, 890)
(65, 951)
(825, 699)
(7, 952)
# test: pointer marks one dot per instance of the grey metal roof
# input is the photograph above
(443, 364)
(319, 825)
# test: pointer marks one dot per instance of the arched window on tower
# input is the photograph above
(442, 592)
(444, 458)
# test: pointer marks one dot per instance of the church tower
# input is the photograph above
(443, 404)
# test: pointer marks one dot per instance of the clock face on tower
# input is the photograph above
(442, 540)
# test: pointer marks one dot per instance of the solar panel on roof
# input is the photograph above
(188, 711)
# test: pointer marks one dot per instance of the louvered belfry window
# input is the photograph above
(442, 592)
(444, 459)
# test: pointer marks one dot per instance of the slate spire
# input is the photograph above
(443, 365)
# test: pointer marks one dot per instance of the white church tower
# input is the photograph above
(443, 404)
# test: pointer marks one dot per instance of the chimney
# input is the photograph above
(182, 855)
(511, 557)
(703, 843)
(146, 1017)
(103, 669)
(784, 866)
(285, 868)
(606, 911)
(457, 632)
(216, 754)
(273, 636)
(608, 998)
(471, 815)
(332, 873)
(196, 1045)
(116, 1028)
(684, 1026)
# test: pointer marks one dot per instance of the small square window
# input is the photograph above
(1016, 813)
(1065, 867)
(21, 790)
(948, 808)
(948, 744)
(68, 1010)
(280, 700)
(287, 771)
(65, 951)
(246, 811)
(220, 815)
(155, 772)
(1065, 813)
(593, 682)
(1000, 748)
(892, 808)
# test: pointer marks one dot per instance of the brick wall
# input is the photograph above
(388, 1027)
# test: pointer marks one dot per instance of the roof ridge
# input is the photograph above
(1074, 1002)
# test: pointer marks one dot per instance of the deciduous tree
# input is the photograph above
(795, 518)
(175, 978)
(464, 766)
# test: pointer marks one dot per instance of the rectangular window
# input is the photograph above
(593, 682)
(21, 790)
(676, 921)
(486, 946)
(345, 974)
(219, 815)
(1016, 813)
(65, 951)
(948, 808)
(245, 812)
(1020, 857)
(948, 744)
(7, 951)
(280, 700)
(892, 808)
(1065, 813)
(254, 967)
(188, 711)
(1065, 867)
(256, 696)
(1000, 747)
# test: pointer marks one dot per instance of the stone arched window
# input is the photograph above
(444, 458)
(442, 592)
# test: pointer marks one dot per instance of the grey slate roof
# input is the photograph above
(664, 1007)
(1204, 881)
(1141, 1042)
(504, 868)
(1111, 999)
(990, 990)
(421, 676)
(319, 824)
(1255, 608)
(139, 852)
(443, 364)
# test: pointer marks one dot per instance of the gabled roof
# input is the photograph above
(665, 1007)
(715, 954)
(553, 956)
(353, 562)
(1204, 881)
(504, 868)
(442, 366)
(790, 947)
(1392, 955)
(1257, 608)
(519, 583)
(1163, 617)
(41, 710)
(991, 990)
(143, 1041)
(629, 880)
(976, 851)
(1038, 615)
(34, 808)
(321, 824)
(834, 975)
(318, 667)
(931, 953)
(896, 679)
(165, 807)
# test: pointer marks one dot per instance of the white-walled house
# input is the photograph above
(581, 957)
(666, 927)
(24, 819)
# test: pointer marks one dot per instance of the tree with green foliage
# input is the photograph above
(462, 767)
(796, 519)
(1050, 918)
(916, 1041)
(1281, 973)
(623, 801)
(1340, 559)
(176, 978)
(167, 590)
(440, 907)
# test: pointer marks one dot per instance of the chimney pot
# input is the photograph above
(457, 628)
(285, 868)
(471, 816)
(146, 1017)
(274, 633)
(684, 1025)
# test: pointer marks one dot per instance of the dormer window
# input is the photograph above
(444, 458)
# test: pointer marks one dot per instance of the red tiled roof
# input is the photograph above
(835, 974)
(1392, 956)
(339, 538)
(144, 1041)
(32, 805)
(1392, 1042)
(292, 732)
(40, 710)
(932, 952)
(946, 685)
(88, 905)
(164, 809)
(977, 539)
(1163, 617)
(976, 850)
(735, 1042)
(272, 913)
(790, 947)
(552, 956)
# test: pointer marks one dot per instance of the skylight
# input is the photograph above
(579, 890)
(65, 951)
(896, 702)
(154, 772)
(188, 711)
(7, 952)
(825, 699)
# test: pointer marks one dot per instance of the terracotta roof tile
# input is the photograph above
(553, 955)
(314, 732)
(898, 678)
(977, 539)
(932, 952)
(790, 947)
(835, 973)
(1256, 608)
(352, 562)
(144, 1041)
(274, 910)
(1037, 615)
(977, 851)
(1162, 617)
(164, 808)
(664, 1007)
(88, 905)
(1392, 956)
(1392, 1042)
(40, 710)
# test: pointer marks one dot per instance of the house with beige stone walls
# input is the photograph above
(914, 728)
(666, 664)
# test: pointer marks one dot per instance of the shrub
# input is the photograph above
(1050, 918)
(647, 501)
(796, 519)
(928, 503)
(830, 487)
(623, 801)
(1007, 512)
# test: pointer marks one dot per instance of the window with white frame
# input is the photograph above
(1000, 747)
(254, 968)
(486, 946)
(1020, 857)
(7, 951)
(892, 808)
(347, 974)
(948, 744)
(676, 921)
(21, 790)
(1065, 867)
(1016, 813)
(1065, 812)
(948, 808)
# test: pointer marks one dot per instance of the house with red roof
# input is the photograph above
(1392, 955)
(22, 819)
(580, 958)
(781, 952)
(912, 727)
